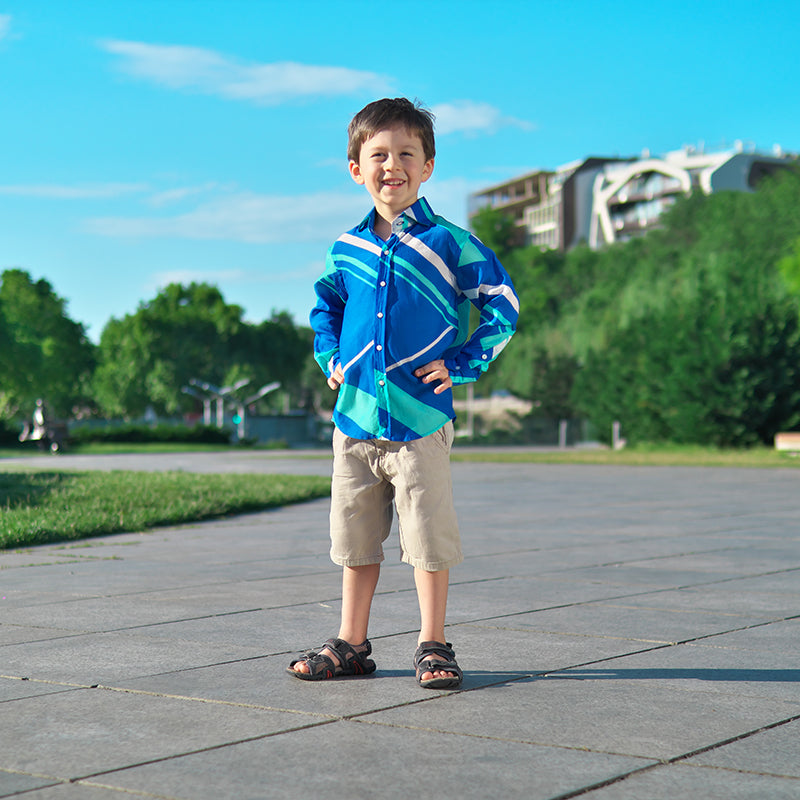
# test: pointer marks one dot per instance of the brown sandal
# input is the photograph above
(351, 661)
(437, 657)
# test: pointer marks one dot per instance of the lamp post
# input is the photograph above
(241, 430)
(204, 399)
(218, 394)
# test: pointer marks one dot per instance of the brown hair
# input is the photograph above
(386, 113)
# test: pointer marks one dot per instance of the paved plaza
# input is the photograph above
(626, 634)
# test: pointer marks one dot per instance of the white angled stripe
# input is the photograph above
(497, 349)
(424, 349)
(506, 291)
(434, 259)
(355, 358)
(363, 244)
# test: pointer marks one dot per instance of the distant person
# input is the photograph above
(391, 325)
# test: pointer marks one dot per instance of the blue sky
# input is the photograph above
(148, 142)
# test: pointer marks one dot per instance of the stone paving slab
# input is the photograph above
(773, 752)
(385, 762)
(626, 633)
(633, 718)
(680, 781)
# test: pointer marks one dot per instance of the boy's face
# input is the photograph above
(391, 166)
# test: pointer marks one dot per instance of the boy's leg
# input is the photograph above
(432, 595)
(358, 589)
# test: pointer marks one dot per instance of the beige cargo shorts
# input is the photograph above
(372, 475)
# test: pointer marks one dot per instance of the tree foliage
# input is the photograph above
(688, 334)
(43, 353)
(190, 332)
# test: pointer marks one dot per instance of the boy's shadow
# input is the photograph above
(476, 679)
(740, 675)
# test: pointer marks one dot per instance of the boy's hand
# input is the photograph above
(337, 378)
(435, 371)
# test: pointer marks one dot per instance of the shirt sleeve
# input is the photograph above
(482, 278)
(327, 316)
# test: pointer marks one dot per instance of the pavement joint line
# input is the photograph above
(661, 647)
(509, 739)
(629, 539)
(746, 576)
(69, 686)
(661, 763)
(85, 779)
(200, 750)
(213, 701)
(578, 603)
(122, 791)
(742, 771)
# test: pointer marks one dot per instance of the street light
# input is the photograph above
(204, 399)
(241, 427)
(219, 395)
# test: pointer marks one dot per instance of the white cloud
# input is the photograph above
(176, 195)
(467, 116)
(85, 192)
(246, 217)
(231, 277)
(186, 276)
(208, 72)
(5, 25)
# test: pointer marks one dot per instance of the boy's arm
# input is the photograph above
(488, 286)
(326, 320)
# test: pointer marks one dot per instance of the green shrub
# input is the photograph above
(141, 434)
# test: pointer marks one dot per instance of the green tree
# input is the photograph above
(789, 268)
(677, 333)
(44, 353)
(147, 357)
(190, 332)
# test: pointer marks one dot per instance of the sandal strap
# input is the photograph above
(317, 663)
(351, 661)
(441, 651)
(322, 666)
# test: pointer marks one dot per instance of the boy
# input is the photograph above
(391, 331)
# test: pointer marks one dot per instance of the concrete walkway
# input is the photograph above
(626, 634)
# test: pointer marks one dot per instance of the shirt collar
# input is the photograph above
(420, 212)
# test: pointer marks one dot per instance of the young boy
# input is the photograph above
(391, 325)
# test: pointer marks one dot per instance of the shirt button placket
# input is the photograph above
(381, 299)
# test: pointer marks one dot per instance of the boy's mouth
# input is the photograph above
(394, 182)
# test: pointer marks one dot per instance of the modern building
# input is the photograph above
(602, 200)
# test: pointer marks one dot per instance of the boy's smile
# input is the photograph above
(391, 166)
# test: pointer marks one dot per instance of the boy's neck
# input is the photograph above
(383, 221)
(382, 226)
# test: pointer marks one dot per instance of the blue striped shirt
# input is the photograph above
(385, 308)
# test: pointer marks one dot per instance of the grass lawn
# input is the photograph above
(43, 506)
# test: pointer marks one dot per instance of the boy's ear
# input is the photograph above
(355, 173)
(427, 170)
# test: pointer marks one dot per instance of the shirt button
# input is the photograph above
(381, 383)
(484, 356)
(379, 347)
(383, 283)
(380, 315)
